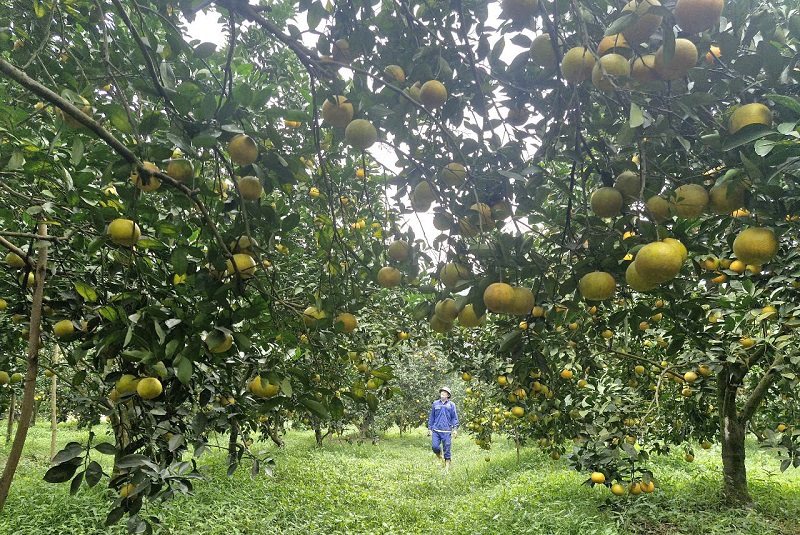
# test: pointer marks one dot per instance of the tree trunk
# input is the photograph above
(36, 406)
(31, 371)
(54, 406)
(12, 409)
(274, 431)
(318, 436)
(121, 423)
(732, 431)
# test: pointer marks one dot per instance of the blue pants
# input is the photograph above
(441, 441)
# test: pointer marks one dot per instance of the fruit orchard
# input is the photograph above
(590, 209)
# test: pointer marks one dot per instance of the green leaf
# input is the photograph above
(70, 452)
(789, 102)
(106, 448)
(315, 407)
(77, 151)
(286, 387)
(622, 23)
(61, 473)
(746, 135)
(87, 292)
(636, 116)
(290, 222)
(183, 371)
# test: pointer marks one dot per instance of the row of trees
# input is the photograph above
(217, 300)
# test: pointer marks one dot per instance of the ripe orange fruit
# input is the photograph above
(713, 54)
(498, 297)
(389, 277)
(451, 273)
(361, 134)
(755, 246)
(243, 150)
(245, 265)
(616, 42)
(695, 16)
(684, 58)
(577, 65)
(617, 489)
(432, 94)
(643, 69)
(606, 72)
(521, 303)
(349, 321)
(607, 202)
(566, 374)
(658, 262)
(543, 53)
(689, 200)
(748, 114)
(446, 310)
(646, 23)
(123, 232)
(597, 286)
(337, 111)
(598, 477)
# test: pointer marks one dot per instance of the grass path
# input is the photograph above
(397, 487)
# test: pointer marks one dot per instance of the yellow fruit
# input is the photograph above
(521, 303)
(438, 325)
(738, 266)
(451, 273)
(678, 246)
(643, 69)
(598, 477)
(726, 197)
(242, 244)
(704, 370)
(361, 134)
(389, 277)
(395, 73)
(639, 370)
(124, 232)
(422, 197)
(695, 16)
(180, 169)
(684, 58)
(149, 388)
(337, 111)
(750, 114)
(498, 296)
(341, 51)
(658, 262)
(349, 321)
(312, 314)
(454, 174)
(537, 312)
(313, 192)
(543, 53)
(747, 342)
(219, 347)
(635, 281)
(399, 250)
(689, 200)
(517, 411)
(518, 10)
(245, 266)
(607, 202)
(15, 261)
(360, 172)
(446, 310)
(126, 383)
(606, 72)
(3, 304)
(646, 24)
(577, 65)
(769, 312)
(432, 94)
(658, 208)
(566, 374)
(713, 54)
(688, 457)
(4, 378)
(607, 334)
(243, 150)
(755, 246)
(648, 487)
(126, 490)
(63, 328)
(250, 188)
(617, 489)
(628, 184)
(781, 428)
(616, 43)
(635, 488)
(706, 445)
(261, 388)
(148, 183)
(690, 377)
(597, 286)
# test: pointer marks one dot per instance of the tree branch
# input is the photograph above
(758, 393)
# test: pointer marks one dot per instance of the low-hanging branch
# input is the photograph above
(22, 78)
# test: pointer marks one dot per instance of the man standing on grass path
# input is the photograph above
(443, 425)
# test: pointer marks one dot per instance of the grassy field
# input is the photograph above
(397, 487)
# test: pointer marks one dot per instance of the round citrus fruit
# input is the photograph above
(597, 286)
(498, 296)
(468, 318)
(361, 134)
(643, 69)
(399, 250)
(750, 114)
(243, 150)
(349, 321)
(250, 188)
(658, 262)
(606, 72)
(543, 53)
(695, 16)
(646, 22)
(124, 232)
(607, 202)
(63, 328)
(454, 174)
(180, 169)
(432, 94)
(689, 200)
(337, 111)
(149, 388)
(577, 64)
(389, 277)
(755, 246)
(243, 264)
(684, 58)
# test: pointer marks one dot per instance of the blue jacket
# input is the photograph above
(443, 416)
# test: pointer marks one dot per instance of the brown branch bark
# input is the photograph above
(19, 252)
(758, 393)
(54, 404)
(30, 373)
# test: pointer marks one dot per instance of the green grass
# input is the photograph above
(397, 487)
